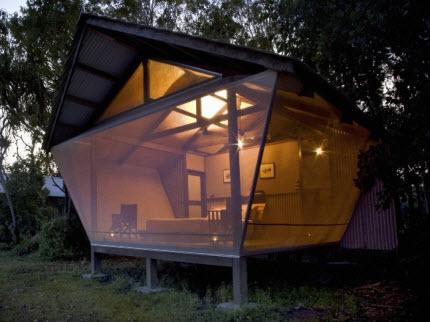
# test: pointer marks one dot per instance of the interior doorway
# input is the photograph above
(196, 194)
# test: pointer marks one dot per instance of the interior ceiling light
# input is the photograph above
(244, 104)
(189, 107)
(319, 151)
(222, 93)
(211, 106)
(240, 143)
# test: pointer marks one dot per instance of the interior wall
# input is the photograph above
(195, 162)
(284, 155)
(173, 178)
(130, 185)
(215, 166)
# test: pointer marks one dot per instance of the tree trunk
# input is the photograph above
(13, 227)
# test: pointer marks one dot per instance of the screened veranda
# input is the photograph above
(182, 177)
(311, 196)
(164, 180)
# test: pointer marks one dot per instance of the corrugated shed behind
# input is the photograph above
(371, 228)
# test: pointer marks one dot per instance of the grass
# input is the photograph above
(36, 290)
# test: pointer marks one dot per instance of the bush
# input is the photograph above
(26, 246)
(63, 238)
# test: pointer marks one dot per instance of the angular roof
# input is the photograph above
(106, 52)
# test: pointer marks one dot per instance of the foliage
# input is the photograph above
(34, 55)
(26, 246)
(377, 53)
(63, 238)
(25, 185)
(160, 13)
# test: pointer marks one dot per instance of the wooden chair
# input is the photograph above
(220, 225)
(216, 219)
(126, 221)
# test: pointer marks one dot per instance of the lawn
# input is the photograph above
(35, 290)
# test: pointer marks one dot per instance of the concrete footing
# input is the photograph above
(96, 276)
(148, 290)
(231, 306)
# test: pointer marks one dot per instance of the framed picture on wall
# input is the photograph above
(267, 170)
(226, 176)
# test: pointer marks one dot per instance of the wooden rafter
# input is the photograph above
(200, 123)
(190, 141)
(150, 130)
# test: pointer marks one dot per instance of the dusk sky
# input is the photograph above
(10, 6)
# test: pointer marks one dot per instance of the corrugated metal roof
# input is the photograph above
(371, 228)
(97, 65)
(89, 86)
(75, 114)
(105, 53)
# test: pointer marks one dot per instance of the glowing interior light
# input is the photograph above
(222, 93)
(240, 143)
(319, 150)
(188, 107)
(211, 106)
(112, 234)
(215, 238)
(244, 105)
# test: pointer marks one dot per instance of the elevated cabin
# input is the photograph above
(180, 148)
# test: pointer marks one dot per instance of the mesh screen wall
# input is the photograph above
(163, 181)
(305, 193)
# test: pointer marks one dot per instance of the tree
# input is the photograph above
(377, 53)
(39, 40)
(4, 146)
(157, 13)
(5, 128)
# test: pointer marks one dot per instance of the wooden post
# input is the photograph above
(151, 273)
(234, 214)
(240, 281)
(93, 180)
(146, 94)
(95, 262)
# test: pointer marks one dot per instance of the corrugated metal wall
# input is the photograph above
(371, 228)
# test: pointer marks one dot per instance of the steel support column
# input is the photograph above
(240, 281)
(95, 262)
(151, 273)
(234, 213)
